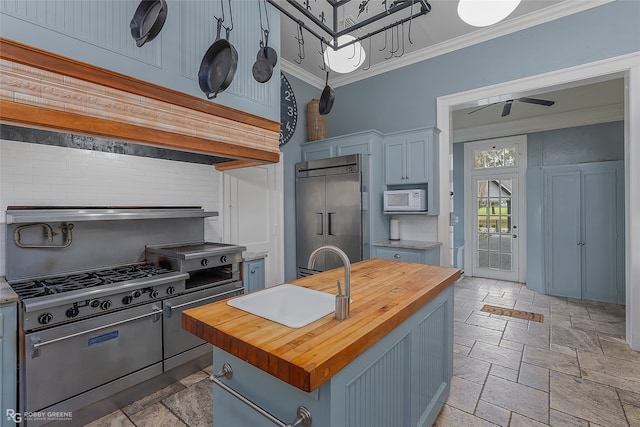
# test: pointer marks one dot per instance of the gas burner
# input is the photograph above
(31, 289)
(73, 282)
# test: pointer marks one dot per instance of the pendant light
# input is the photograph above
(347, 58)
(482, 13)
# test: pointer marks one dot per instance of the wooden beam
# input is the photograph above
(25, 114)
(33, 57)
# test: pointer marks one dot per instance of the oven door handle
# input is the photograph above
(35, 342)
(168, 308)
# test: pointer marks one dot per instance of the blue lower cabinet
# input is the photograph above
(253, 275)
(8, 362)
(421, 256)
(402, 380)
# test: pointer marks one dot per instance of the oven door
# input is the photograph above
(67, 360)
(176, 339)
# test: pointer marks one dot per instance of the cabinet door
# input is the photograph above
(254, 275)
(599, 235)
(562, 233)
(417, 167)
(394, 162)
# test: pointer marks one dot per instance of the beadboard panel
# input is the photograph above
(99, 23)
(198, 18)
(433, 341)
(378, 396)
(97, 32)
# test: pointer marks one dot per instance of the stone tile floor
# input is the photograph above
(574, 369)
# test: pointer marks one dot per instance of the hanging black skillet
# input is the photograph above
(148, 20)
(219, 64)
(267, 56)
(327, 98)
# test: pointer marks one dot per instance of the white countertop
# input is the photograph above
(408, 244)
(250, 256)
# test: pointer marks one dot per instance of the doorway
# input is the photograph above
(626, 66)
(494, 208)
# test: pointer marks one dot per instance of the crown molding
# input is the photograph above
(299, 73)
(551, 13)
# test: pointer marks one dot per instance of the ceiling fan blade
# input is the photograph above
(506, 110)
(537, 101)
(481, 108)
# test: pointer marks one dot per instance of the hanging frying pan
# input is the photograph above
(267, 57)
(327, 98)
(218, 65)
(148, 20)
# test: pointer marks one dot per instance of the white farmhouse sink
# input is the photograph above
(289, 305)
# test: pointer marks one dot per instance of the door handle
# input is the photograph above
(330, 219)
(319, 224)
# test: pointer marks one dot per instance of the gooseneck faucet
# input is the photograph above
(342, 301)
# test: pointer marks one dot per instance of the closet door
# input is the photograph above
(599, 206)
(562, 232)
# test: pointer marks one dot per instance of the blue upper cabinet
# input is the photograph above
(98, 33)
(411, 158)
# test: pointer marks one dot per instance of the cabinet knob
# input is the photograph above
(396, 256)
(253, 271)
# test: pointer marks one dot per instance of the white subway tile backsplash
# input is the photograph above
(418, 227)
(34, 174)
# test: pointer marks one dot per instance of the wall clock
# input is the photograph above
(288, 111)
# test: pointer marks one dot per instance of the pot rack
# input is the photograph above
(327, 34)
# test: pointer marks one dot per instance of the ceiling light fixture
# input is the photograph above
(346, 59)
(482, 13)
(343, 52)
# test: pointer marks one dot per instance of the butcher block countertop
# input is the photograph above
(384, 294)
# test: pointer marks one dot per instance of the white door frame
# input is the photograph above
(627, 66)
(469, 200)
(274, 246)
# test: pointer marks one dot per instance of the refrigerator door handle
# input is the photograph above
(319, 224)
(330, 219)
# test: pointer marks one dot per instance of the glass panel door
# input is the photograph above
(495, 226)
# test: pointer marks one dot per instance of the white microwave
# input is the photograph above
(405, 200)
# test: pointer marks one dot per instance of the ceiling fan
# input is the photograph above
(506, 110)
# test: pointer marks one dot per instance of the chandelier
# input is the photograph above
(339, 24)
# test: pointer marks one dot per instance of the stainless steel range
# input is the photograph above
(101, 292)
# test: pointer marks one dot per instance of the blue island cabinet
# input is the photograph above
(402, 380)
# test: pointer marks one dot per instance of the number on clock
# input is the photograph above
(288, 111)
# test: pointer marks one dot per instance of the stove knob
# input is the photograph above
(223, 258)
(45, 318)
(171, 290)
(127, 300)
(94, 303)
(106, 304)
(73, 312)
(136, 293)
(153, 293)
(204, 262)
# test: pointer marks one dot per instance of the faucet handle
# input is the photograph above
(339, 288)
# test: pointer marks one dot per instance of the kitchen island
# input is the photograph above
(389, 364)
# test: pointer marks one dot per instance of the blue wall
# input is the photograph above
(291, 154)
(406, 98)
(595, 143)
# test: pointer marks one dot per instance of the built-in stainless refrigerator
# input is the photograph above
(330, 210)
